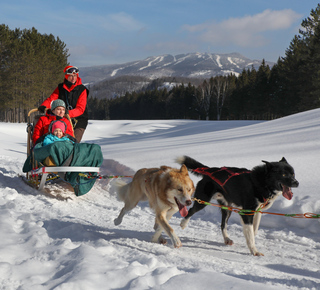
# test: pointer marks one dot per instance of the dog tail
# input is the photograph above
(122, 189)
(191, 163)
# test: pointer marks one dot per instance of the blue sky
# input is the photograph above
(99, 32)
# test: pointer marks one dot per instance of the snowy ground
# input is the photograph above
(51, 244)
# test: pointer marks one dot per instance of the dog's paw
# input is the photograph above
(228, 242)
(177, 243)
(162, 241)
(258, 254)
(184, 223)
(117, 221)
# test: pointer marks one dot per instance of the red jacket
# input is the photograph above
(42, 126)
(81, 104)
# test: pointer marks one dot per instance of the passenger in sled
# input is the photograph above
(57, 132)
(57, 112)
(48, 150)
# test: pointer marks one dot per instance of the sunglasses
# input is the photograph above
(72, 70)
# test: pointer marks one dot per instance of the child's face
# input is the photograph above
(58, 132)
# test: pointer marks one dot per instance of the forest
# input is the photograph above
(31, 66)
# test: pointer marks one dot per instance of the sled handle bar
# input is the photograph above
(32, 111)
(35, 110)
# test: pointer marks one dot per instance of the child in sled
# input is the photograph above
(57, 132)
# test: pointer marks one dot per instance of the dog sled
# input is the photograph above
(75, 164)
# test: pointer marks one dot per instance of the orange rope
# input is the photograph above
(252, 212)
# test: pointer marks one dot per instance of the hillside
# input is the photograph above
(111, 80)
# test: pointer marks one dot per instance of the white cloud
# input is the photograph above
(245, 31)
(119, 22)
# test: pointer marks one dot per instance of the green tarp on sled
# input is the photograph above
(80, 154)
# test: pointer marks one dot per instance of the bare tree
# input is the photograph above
(220, 87)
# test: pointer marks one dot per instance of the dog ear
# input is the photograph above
(268, 164)
(184, 169)
(283, 160)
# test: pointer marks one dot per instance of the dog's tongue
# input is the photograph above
(287, 193)
(182, 209)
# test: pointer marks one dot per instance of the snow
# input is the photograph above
(218, 61)
(114, 72)
(232, 62)
(150, 63)
(200, 73)
(47, 243)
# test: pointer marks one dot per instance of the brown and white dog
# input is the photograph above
(167, 190)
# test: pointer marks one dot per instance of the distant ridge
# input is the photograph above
(190, 65)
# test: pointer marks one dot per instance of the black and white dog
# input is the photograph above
(241, 188)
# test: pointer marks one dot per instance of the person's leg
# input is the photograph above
(78, 133)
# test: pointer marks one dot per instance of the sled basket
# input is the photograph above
(73, 163)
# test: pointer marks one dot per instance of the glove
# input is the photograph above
(41, 109)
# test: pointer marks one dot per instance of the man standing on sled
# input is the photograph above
(74, 94)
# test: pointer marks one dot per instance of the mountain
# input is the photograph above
(191, 65)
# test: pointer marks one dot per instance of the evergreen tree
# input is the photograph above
(261, 101)
(299, 69)
(31, 66)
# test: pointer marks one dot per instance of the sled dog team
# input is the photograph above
(169, 190)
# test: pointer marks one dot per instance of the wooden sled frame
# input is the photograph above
(43, 171)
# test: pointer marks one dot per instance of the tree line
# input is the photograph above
(31, 66)
(292, 85)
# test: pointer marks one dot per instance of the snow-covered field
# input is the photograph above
(51, 244)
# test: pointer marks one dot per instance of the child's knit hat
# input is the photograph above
(58, 125)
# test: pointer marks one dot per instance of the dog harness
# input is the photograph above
(222, 175)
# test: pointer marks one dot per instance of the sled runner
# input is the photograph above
(77, 164)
